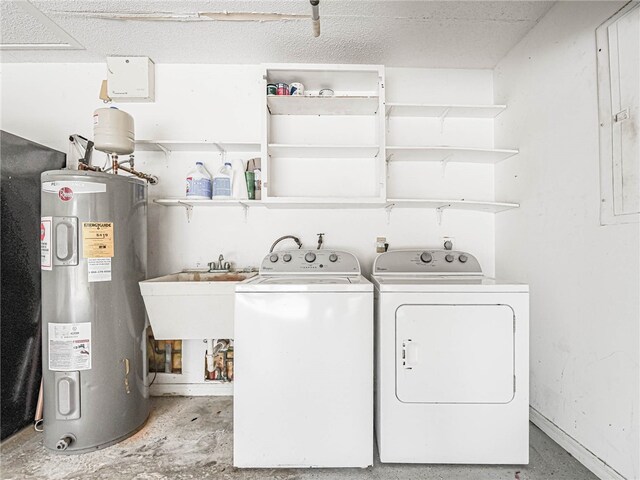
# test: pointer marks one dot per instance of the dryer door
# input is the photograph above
(455, 353)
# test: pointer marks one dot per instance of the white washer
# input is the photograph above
(303, 382)
(452, 361)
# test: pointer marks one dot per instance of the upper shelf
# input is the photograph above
(195, 146)
(317, 105)
(449, 154)
(323, 151)
(442, 111)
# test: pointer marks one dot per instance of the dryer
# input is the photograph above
(303, 382)
(452, 369)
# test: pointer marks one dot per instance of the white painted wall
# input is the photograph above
(585, 288)
(47, 102)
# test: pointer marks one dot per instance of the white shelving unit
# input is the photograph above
(443, 111)
(323, 151)
(321, 105)
(321, 131)
(448, 154)
(195, 146)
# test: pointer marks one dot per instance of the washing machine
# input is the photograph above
(452, 369)
(303, 383)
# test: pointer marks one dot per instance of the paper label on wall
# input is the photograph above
(69, 346)
(45, 243)
(99, 269)
(97, 239)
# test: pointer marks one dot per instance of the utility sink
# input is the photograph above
(192, 305)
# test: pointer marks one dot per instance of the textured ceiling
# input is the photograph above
(471, 34)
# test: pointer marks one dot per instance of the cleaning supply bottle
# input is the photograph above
(222, 182)
(199, 183)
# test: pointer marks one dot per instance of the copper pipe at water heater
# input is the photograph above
(149, 178)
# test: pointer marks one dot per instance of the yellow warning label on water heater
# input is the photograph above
(97, 239)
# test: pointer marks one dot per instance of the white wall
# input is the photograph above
(47, 102)
(584, 278)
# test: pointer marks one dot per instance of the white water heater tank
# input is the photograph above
(113, 131)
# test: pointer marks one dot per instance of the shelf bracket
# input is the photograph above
(444, 162)
(164, 149)
(442, 118)
(388, 209)
(439, 211)
(189, 210)
(388, 112)
(389, 157)
(245, 211)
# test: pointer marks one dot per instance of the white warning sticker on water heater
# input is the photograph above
(69, 346)
(45, 243)
(99, 269)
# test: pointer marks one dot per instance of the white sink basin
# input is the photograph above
(192, 305)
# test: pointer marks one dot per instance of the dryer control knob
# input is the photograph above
(449, 258)
(287, 257)
(333, 257)
(274, 258)
(463, 258)
(426, 257)
(310, 257)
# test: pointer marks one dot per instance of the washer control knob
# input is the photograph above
(449, 258)
(426, 257)
(310, 257)
(333, 257)
(287, 257)
(274, 258)
(463, 258)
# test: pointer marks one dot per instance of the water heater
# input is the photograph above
(93, 236)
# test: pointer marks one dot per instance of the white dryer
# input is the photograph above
(303, 382)
(452, 361)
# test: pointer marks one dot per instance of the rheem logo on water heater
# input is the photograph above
(65, 194)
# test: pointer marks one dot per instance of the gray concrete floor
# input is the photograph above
(191, 438)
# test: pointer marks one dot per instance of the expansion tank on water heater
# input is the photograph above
(94, 253)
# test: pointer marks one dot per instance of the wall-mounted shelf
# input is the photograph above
(190, 202)
(442, 111)
(195, 146)
(482, 206)
(323, 151)
(449, 154)
(317, 105)
(313, 202)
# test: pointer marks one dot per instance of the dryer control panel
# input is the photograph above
(302, 261)
(430, 262)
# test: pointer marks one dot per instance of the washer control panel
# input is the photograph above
(432, 262)
(310, 261)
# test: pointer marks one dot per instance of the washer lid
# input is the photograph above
(308, 283)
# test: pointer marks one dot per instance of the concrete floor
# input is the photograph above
(191, 438)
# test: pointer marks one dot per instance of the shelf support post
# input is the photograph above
(439, 211)
(444, 161)
(164, 150)
(245, 211)
(388, 209)
(442, 117)
(188, 208)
